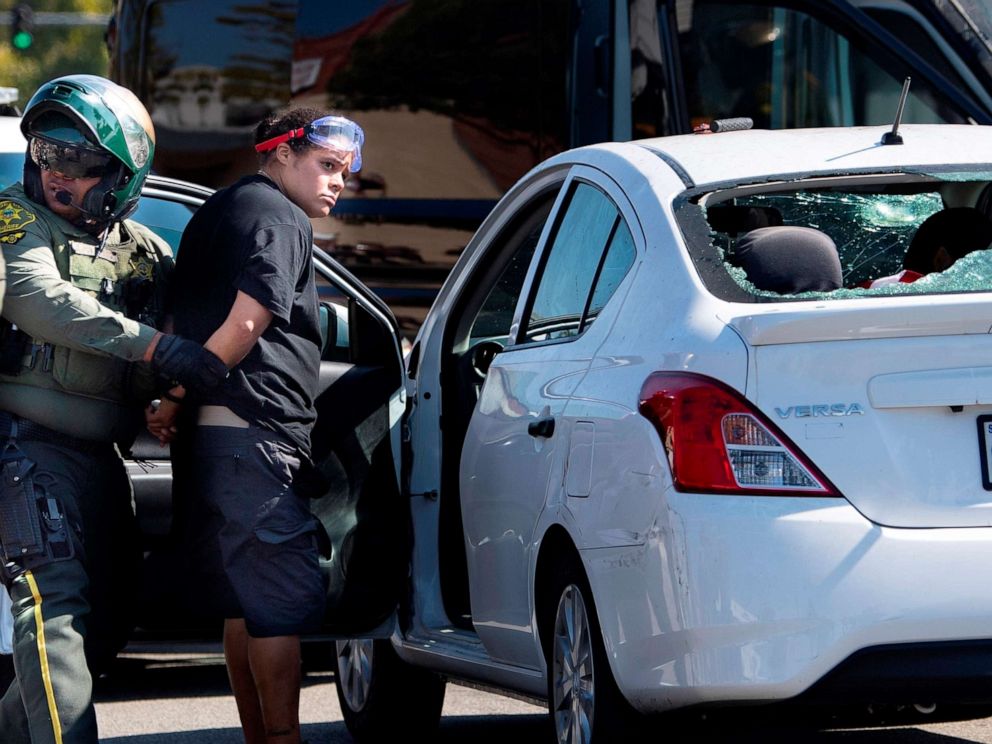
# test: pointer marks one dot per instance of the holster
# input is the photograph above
(20, 523)
(33, 528)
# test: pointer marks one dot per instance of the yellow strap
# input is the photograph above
(46, 675)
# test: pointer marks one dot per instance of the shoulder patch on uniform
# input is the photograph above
(13, 218)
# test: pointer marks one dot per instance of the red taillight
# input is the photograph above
(718, 443)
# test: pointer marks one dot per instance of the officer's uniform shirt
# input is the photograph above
(66, 292)
(41, 302)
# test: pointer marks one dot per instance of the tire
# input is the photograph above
(382, 697)
(577, 662)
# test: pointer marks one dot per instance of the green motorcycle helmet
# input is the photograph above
(103, 129)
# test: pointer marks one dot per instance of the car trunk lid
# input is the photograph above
(887, 399)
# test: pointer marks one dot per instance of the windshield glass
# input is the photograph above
(872, 232)
(164, 217)
(979, 16)
(923, 235)
(783, 67)
(11, 167)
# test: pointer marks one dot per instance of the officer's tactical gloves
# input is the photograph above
(188, 363)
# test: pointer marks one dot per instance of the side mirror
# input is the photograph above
(335, 341)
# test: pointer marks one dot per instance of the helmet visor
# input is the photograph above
(72, 161)
(334, 133)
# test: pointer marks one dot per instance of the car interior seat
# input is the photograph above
(958, 230)
(984, 202)
(788, 259)
(734, 219)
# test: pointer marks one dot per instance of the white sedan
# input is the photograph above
(703, 420)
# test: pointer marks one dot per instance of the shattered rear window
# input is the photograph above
(872, 228)
(971, 273)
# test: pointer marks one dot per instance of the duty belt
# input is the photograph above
(28, 430)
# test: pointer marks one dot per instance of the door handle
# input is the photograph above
(544, 427)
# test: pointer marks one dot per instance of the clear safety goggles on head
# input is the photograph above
(70, 160)
(329, 132)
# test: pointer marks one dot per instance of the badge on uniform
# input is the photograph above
(143, 267)
(13, 219)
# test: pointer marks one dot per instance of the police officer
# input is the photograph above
(79, 353)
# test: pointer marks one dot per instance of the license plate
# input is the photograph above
(985, 446)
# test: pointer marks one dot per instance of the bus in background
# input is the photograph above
(459, 98)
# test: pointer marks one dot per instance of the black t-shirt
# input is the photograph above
(250, 237)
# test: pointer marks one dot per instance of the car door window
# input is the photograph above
(499, 289)
(616, 263)
(496, 312)
(164, 217)
(11, 166)
(565, 299)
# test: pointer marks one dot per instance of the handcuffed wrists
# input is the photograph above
(187, 363)
(169, 395)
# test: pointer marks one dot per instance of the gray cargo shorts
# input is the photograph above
(253, 540)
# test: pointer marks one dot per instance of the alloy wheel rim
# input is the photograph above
(573, 688)
(355, 671)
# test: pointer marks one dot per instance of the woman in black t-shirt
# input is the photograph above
(244, 288)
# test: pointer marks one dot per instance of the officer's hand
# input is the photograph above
(187, 362)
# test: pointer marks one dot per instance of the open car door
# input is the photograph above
(356, 451)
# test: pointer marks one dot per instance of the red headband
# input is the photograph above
(271, 144)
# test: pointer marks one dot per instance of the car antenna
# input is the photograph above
(893, 137)
(734, 124)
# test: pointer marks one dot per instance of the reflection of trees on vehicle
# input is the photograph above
(249, 70)
(207, 72)
(460, 99)
(483, 67)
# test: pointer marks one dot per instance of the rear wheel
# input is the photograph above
(585, 704)
(381, 696)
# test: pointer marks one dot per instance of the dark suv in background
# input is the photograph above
(459, 99)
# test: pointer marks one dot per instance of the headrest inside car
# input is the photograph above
(789, 259)
(956, 230)
(734, 220)
(984, 203)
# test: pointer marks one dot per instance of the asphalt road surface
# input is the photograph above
(184, 699)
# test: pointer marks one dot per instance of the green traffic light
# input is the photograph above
(22, 40)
